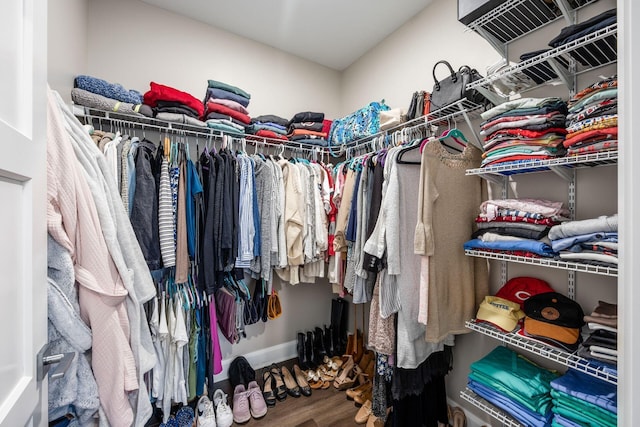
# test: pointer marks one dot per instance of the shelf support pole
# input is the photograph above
(568, 13)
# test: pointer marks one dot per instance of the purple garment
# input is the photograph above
(215, 339)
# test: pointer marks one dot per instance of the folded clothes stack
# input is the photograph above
(516, 226)
(602, 49)
(174, 105)
(522, 130)
(96, 93)
(226, 108)
(592, 122)
(589, 241)
(581, 400)
(307, 127)
(514, 384)
(602, 343)
(269, 126)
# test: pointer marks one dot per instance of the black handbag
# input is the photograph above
(454, 88)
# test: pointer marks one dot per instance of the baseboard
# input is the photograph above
(261, 358)
(472, 419)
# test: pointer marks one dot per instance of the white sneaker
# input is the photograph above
(206, 416)
(224, 414)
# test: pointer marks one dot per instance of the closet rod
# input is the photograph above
(125, 120)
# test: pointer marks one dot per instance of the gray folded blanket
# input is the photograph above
(93, 100)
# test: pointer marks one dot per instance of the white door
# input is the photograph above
(23, 245)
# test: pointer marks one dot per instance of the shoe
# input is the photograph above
(241, 411)
(185, 417)
(302, 352)
(171, 422)
(459, 418)
(268, 386)
(319, 352)
(363, 414)
(374, 421)
(299, 376)
(281, 390)
(367, 394)
(347, 376)
(257, 405)
(328, 341)
(355, 391)
(289, 382)
(309, 351)
(224, 415)
(205, 412)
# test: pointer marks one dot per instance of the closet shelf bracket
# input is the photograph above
(493, 97)
(499, 46)
(568, 13)
(495, 179)
(567, 77)
(563, 172)
(476, 137)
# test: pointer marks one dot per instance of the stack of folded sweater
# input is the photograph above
(592, 122)
(524, 129)
(516, 226)
(601, 50)
(307, 127)
(515, 385)
(602, 343)
(269, 126)
(174, 105)
(226, 108)
(590, 241)
(580, 400)
(96, 93)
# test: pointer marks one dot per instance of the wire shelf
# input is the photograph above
(440, 116)
(488, 408)
(591, 51)
(567, 359)
(546, 262)
(529, 166)
(148, 123)
(516, 18)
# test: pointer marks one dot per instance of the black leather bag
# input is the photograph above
(454, 87)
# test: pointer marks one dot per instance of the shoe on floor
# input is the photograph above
(363, 413)
(224, 415)
(241, 411)
(205, 413)
(257, 404)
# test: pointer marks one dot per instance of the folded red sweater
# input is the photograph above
(608, 133)
(271, 134)
(223, 109)
(160, 92)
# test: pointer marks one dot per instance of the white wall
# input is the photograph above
(66, 43)
(403, 62)
(133, 43)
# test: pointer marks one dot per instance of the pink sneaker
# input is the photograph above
(258, 405)
(241, 411)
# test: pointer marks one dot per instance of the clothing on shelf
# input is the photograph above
(159, 93)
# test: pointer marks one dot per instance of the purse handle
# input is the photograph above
(454, 78)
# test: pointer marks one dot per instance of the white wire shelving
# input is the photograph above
(551, 353)
(488, 408)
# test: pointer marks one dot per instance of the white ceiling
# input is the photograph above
(333, 33)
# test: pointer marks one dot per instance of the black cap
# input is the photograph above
(554, 308)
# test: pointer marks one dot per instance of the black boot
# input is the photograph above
(302, 355)
(339, 319)
(309, 351)
(319, 351)
(328, 341)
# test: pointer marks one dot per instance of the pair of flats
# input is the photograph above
(216, 413)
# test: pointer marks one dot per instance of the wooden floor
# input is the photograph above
(324, 408)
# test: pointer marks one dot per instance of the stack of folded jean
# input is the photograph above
(592, 122)
(226, 108)
(580, 400)
(599, 52)
(269, 126)
(589, 241)
(523, 130)
(516, 226)
(96, 93)
(602, 343)
(515, 385)
(307, 128)
(174, 105)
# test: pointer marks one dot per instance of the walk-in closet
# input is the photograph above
(400, 215)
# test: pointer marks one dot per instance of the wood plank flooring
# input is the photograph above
(324, 408)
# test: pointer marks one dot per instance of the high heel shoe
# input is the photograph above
(267, 388)
(280, 388)
(290, 383)
(299, 376)
(347, 376)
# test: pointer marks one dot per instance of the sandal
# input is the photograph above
(347, 377)
(281, 389)
(314, 380)
(267, 388)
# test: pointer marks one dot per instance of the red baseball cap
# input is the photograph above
(519, 289)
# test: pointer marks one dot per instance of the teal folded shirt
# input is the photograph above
(582, 411)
